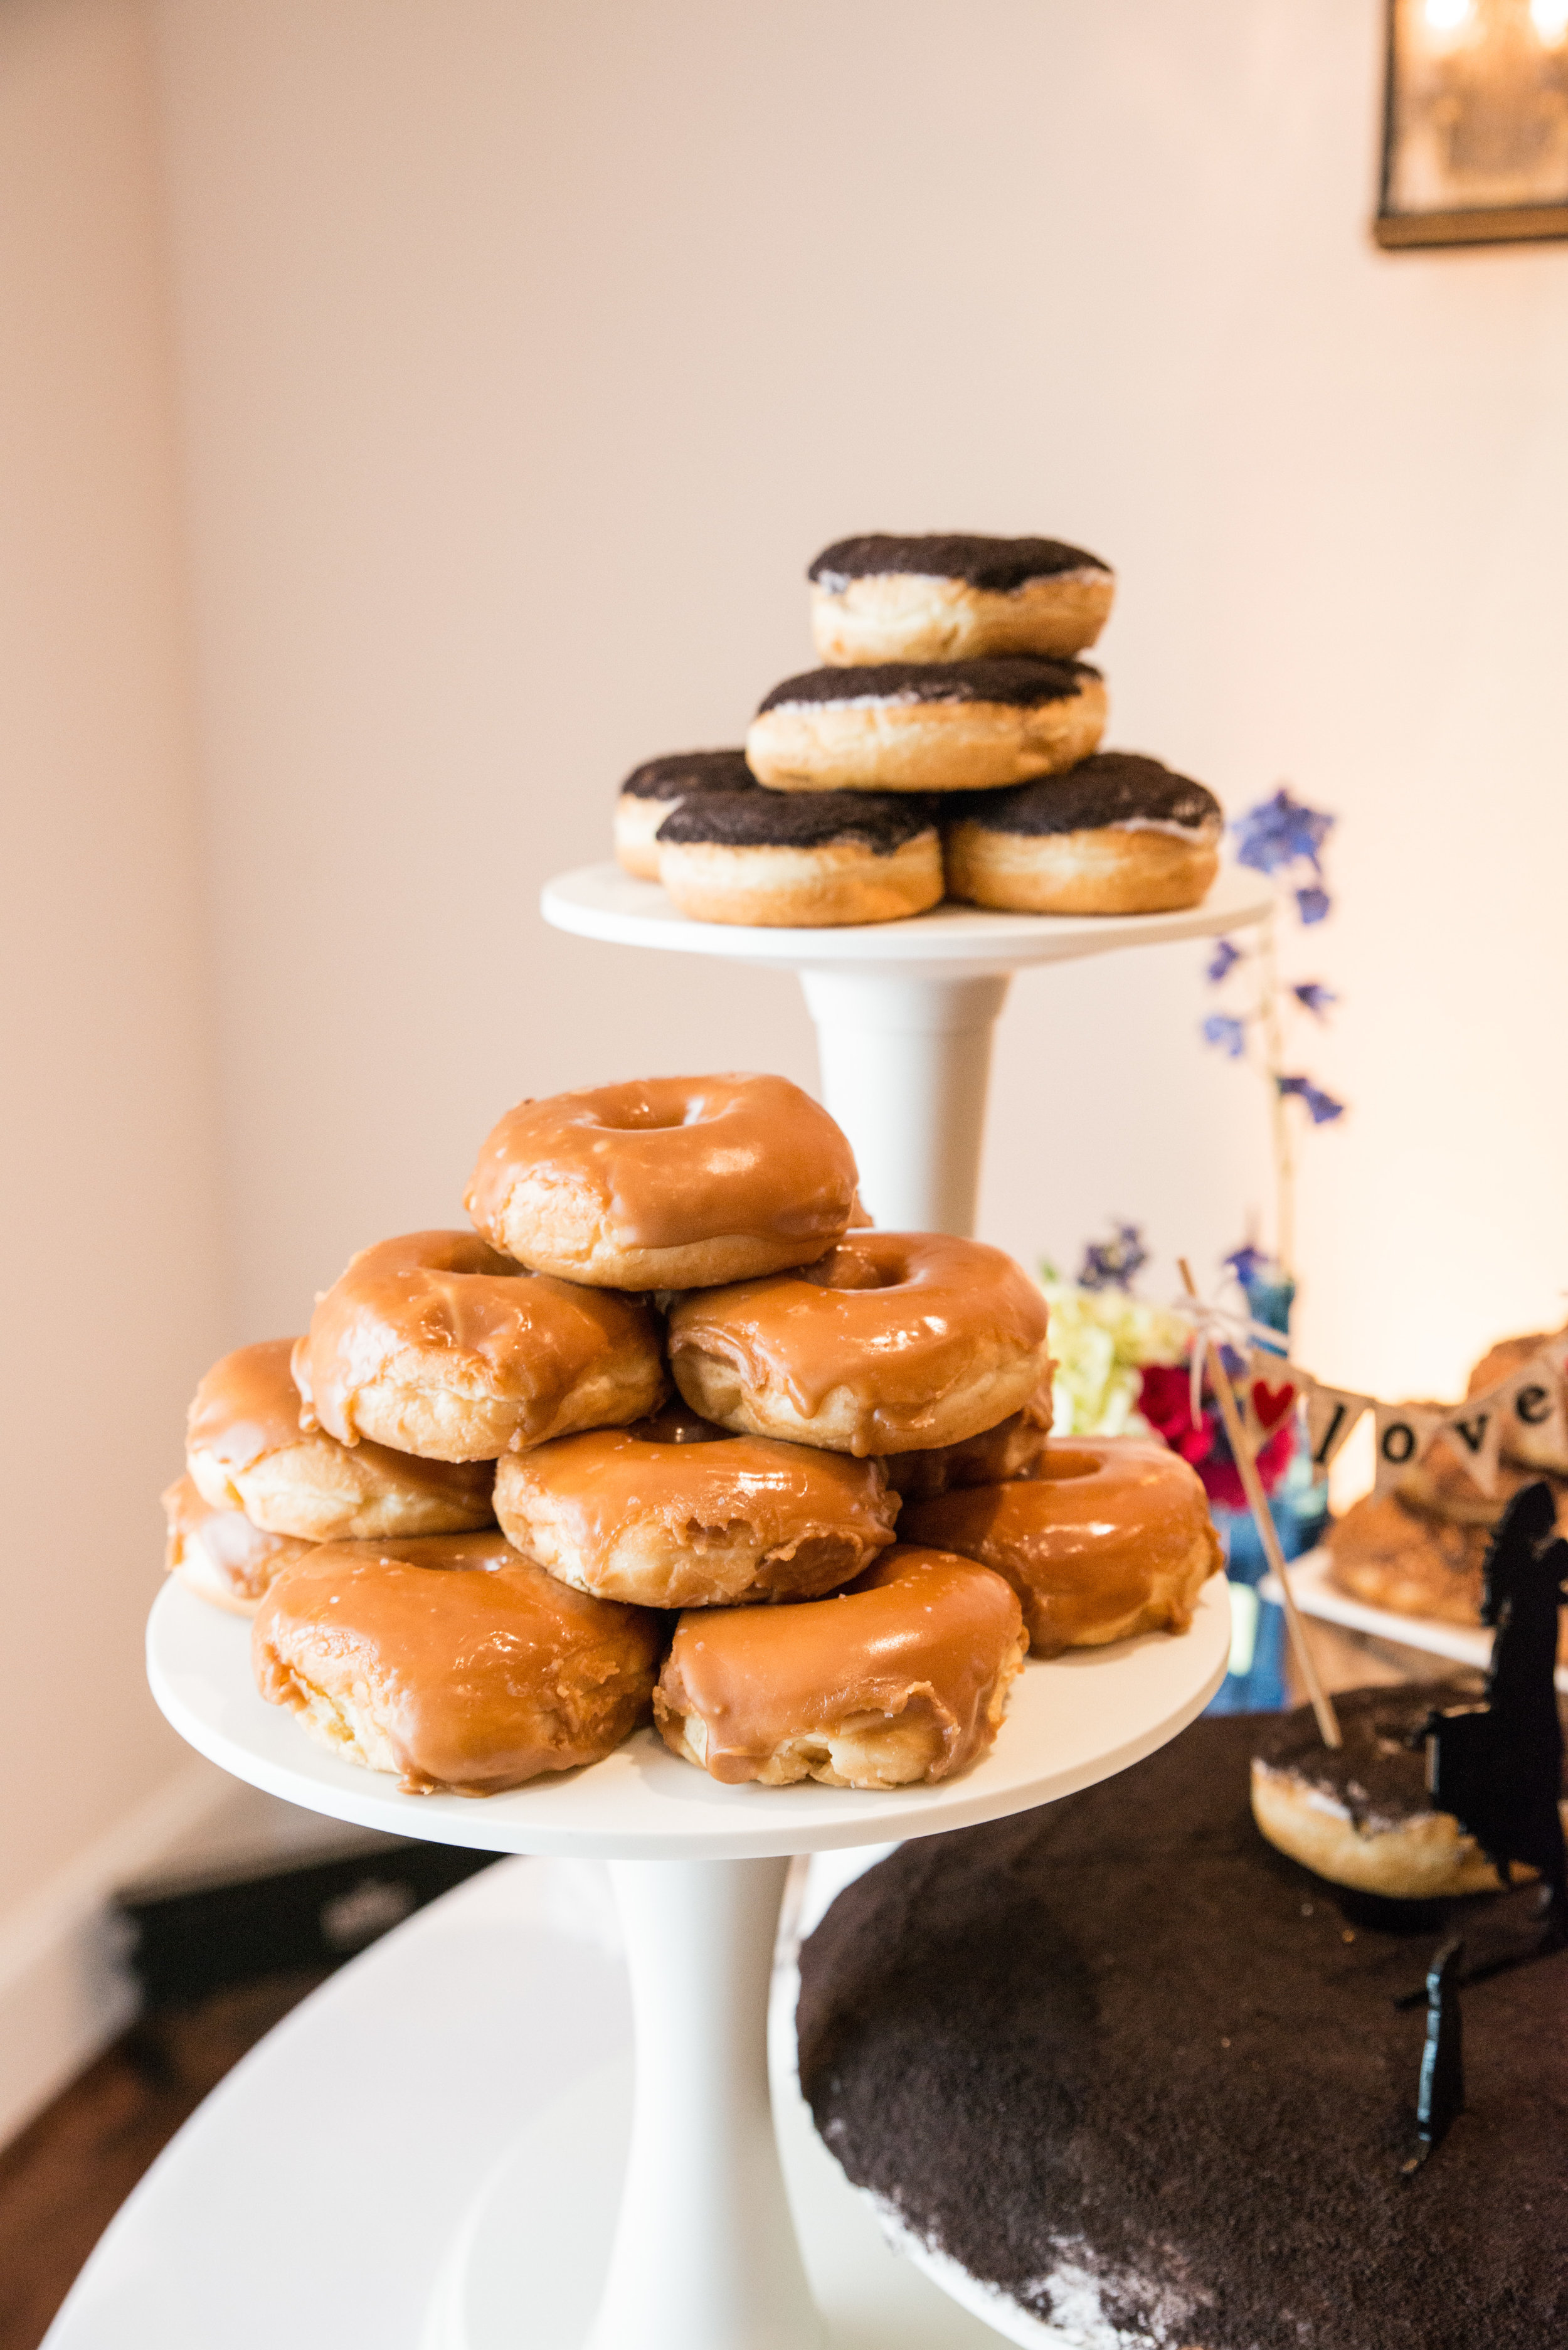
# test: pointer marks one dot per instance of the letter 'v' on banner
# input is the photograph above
(1473, 1434)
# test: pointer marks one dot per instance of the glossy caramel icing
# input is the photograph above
(1009, 1449)
(1108, 1535)
(901, 1319)
(445, 1312)
(453, 1661)
(679, 1522)
(219, 1553)
(668, 1162)
(919, 1632)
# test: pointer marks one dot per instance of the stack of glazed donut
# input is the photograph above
(638, 1443)
(949, 746)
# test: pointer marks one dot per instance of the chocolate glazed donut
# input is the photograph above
(1114, 835)
(927, 726)
(806, 861)
(955, 596)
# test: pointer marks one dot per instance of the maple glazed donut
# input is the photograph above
(1009, 1449)
(903, 1677)
(665, 1183)
(632, 1515)
(437, 1344)
(893, 1342)
(955, 596)
(927, 726)
(219, 1555)
(1108, 1535)
(245, 1449)
(1117, 834)
(452, 1662)
(658, 787)
(808, 860)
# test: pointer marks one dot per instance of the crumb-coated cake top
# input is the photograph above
(1112, 787)
(1000, 563)
(1019, 678)
(1124, 2061)
(1377, 1776)
(680, 771)
(880, 821)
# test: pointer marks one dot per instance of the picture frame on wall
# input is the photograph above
(1474, 137)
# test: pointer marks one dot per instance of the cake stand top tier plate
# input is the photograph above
(600, 901)
(1073, 1720)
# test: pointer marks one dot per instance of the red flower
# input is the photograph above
(1164, 1399)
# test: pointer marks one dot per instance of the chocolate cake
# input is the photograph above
(1000, 565)
(1130, 2067)
(1023, 680)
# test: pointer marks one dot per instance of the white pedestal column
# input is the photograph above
(705, 2255)
(906, 1062)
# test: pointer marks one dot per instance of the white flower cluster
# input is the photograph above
(1100, 1339)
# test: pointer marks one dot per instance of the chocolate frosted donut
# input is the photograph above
(1117, 833)
(808, 860)
(924, 726)
(955, 596)
(1360, 1813)
(652, 790)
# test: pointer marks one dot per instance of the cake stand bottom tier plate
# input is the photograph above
(427, 2155)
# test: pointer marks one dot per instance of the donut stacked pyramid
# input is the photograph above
(639, 1442)
(950, 746)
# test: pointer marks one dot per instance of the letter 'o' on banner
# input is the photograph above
(1402, 1433)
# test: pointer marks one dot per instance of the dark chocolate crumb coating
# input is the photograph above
(1000, 563)
(1112, 787)
(1122, 2035)
(680, 771)
(1375, 1777)
(880, 821)
(1020, 679)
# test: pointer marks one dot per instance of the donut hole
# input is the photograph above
(1053, 1466)
(846, 1268)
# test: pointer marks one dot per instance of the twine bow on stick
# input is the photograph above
(1212, 1328)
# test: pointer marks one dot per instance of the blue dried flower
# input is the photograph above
(1277, 832)
(1313, 902)
(1114, 1263)
(1314, 997)
(1223, 960)
(1321, 1107)
(1227, 1035)
(1247, 1263)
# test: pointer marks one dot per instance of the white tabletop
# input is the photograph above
(1073, 1720)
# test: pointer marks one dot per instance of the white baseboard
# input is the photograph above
(64, 1993)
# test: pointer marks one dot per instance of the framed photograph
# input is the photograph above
(1475, 139)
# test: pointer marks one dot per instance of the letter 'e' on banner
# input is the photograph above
(1331, 1414)
(1533, 1413)
(1403, 1431)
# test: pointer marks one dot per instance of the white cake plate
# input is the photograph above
(705, 2255)
(904, 1011)
(1316, 1594)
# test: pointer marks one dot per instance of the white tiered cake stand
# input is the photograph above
(660, 2222)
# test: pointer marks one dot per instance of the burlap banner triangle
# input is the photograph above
(1331, 1414)
(1270, 1391)
(1402, 1433)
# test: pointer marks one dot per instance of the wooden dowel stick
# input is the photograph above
(1267, 1532)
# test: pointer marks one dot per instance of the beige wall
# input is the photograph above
(530, 351)
(113, 1278)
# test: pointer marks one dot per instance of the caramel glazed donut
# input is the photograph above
(955, 596)
(801, 859)
(1108, 1535)
(437, 1344)
(675, 1512)
(246, 1451)
(452, 1662)
(1360, 1813)
(1115, 835)
(927, 726)
(893, 1342)
(658, 787)
(666, 1183)
(903, 1677)
(219, 1555)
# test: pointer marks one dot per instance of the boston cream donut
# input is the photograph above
(665, 1184)
(1009, 1449)
(893, 1342)
(630, 1514)
(246, 1451)
(1107, 1538)
(654, 790)
(452, 1662)
(903, 1677)
(955, 596)
(1115, 835)
(219, 1555)
(801, 860)
(437, 1344)
(1359, 1813)
(927, 726)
